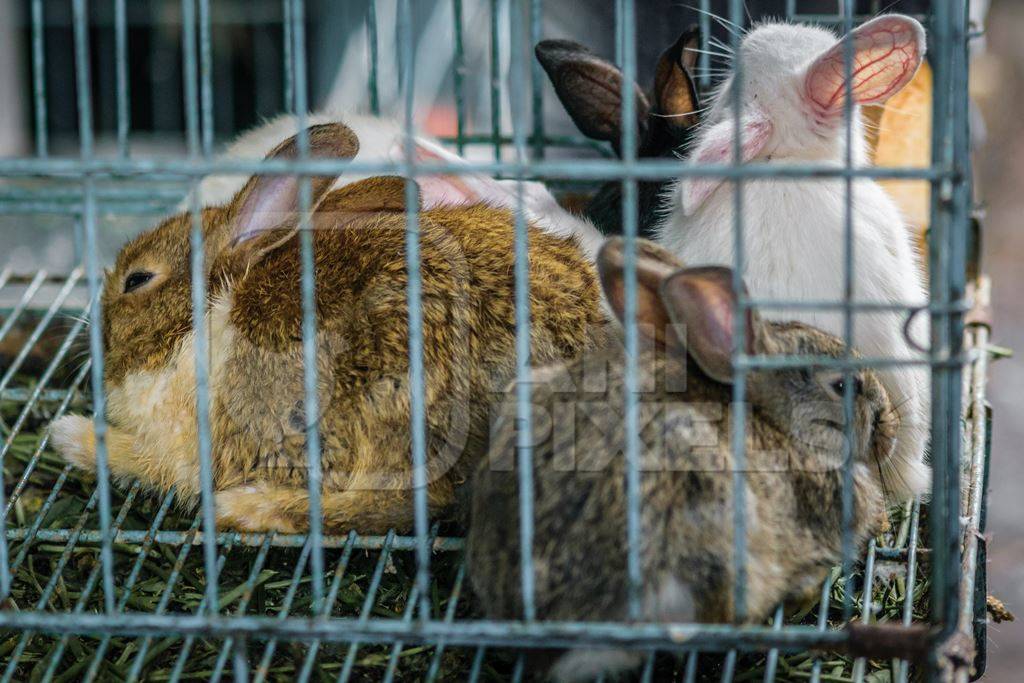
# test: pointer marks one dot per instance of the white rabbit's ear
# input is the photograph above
(270, 203)
(653, 265)
(456, 188)
(715, 147)
(701, 302)
(887, 52)
(448, 190)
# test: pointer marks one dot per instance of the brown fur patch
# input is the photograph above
(256, 361)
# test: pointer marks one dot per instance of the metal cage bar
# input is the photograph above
(83, 83)
(738, 431)
(286, 605)
(626, 30)
(339, 572)
(417, 380)
(199, 321)
(309, 324)
(524, 406)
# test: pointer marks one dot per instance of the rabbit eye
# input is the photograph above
(839, 386)
(136, 280)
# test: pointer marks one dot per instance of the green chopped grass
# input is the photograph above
(276, 577)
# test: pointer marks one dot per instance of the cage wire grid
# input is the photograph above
(104, 582)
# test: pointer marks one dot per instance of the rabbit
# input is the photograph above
(794, 475)
(376, 137)
(792, 112)
(590, 89)
(468, 187)
(382, 139)
(254, 319)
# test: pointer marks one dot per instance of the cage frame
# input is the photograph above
(956, 572)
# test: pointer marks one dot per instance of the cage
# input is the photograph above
(105, 581)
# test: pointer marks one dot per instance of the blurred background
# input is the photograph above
(997, 85)
(250, 85)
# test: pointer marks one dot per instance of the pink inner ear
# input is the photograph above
(272, 200)
(716, 148)
(445, 190)
(453, 189)
(886, 54)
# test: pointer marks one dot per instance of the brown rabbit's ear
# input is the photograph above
(702, 303)
(379, 194)
(653, 265)
(590, 89)
(264, 213)
(675, 93)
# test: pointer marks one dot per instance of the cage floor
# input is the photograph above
(52, 533)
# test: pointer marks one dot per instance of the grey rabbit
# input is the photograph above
(794, 451)
(590, 89)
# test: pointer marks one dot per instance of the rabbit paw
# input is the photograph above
(73, 438)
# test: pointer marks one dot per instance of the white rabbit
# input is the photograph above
(382, 139)
(539, 205)
(376, 137)
(792, 112)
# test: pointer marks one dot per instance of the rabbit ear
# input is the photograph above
(452, 189)
(270, 203)
(675, 94)
(701, 302)
(887, 52)
(379, 194)
(715, 146)
(590, 89)
(653, 265)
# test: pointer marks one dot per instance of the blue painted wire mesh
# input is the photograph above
(98, 581)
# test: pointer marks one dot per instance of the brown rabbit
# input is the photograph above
(794, 447)
(256, 363)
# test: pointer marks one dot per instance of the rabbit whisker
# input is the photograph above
(876, 129)
(889, 472)
(894, 412)
(728, 49)
(881, 129)
(707, 52)
(79, 365)
(730, 26)
(886, 8)
(75, 317)
(894, 110)
(675, 116)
